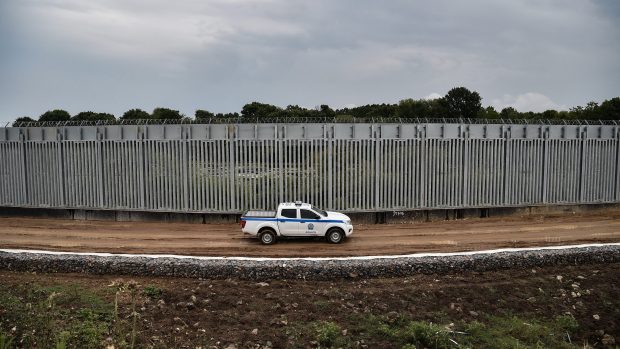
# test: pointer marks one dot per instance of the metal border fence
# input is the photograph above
(309, 120)
(358, 167)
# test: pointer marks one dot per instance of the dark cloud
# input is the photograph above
(115, 55)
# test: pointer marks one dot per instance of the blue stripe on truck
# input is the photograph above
(290, 220)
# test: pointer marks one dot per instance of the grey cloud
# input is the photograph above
(115, 55)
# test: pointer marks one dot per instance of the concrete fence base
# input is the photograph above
(388, 217)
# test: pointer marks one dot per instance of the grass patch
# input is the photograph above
(5, 341)
(152, 292)
(63, 316)
(329, 334)
(516, 332)
(506, 331)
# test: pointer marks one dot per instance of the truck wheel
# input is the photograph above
(267, 237)
(335, 236)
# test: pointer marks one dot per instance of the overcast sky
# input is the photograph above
(114, 55)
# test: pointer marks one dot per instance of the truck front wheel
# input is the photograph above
(335, 235)
(267, 237)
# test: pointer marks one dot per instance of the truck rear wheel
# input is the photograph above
(267, 237)
(335, 236)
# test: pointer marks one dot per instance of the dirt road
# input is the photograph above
(227, 239)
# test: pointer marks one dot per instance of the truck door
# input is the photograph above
(288, 222)
(310, 223)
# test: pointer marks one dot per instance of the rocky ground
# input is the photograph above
(553, 307)
(305, 269)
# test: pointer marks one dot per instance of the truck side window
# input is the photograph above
(289, 212)
(308, 214)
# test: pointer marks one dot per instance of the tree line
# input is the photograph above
(459, 102)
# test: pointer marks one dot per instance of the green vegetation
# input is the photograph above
(55, 115)
(502, 331)
(5, 341)
(152, 292)
(459, 102)
(60, 316)
(92, 116)
(516, 332)
(39, 311)
(68, 317)
(329, 334)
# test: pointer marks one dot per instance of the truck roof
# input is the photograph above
(295, 205)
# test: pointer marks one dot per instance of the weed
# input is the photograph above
(5, 341)
(152, 292)
(516, 332)
(55, 316)
(410, 334)
(329, 334)
(61, 340)
(321, 305)
(495, 332)
(132, 288)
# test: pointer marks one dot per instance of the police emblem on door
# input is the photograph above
(310, 226)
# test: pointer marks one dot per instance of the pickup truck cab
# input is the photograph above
(295, 220)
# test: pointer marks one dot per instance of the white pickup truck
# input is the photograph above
(296, 219)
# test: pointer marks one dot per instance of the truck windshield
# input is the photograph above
(319, 211)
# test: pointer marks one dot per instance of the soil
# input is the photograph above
(382, 239)
(186, 313)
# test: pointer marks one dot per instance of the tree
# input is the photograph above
(550, 114)
(370, 111)
(259, 110)
(92, 116)
(510, 113)
(55, 115)
(410, 108)
(610, 109)
(166, 114)
(23, 119)
(295, 111)
(488, 113)
(326, 112)
(227, 115)
(135, 114)
(462, 103)
(203, 114)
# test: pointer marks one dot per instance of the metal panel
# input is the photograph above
(353, 167)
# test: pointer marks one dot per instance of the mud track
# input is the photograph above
(384, 239)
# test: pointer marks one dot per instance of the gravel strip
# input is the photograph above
(304, 269)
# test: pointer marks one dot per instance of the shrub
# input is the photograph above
(327, 333)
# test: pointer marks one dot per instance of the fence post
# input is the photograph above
(232, 173)
(377, 181)
(22, 153)
(506, 138)
(141, 167)
(185, 131)
(423, 171)
(99, 137)
(61, 167)
(545, 159)
(330, 168)
(617, 182)
(582, 137)
(280, 144)
(465, 157)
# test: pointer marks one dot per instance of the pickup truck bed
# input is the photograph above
(263, 214)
